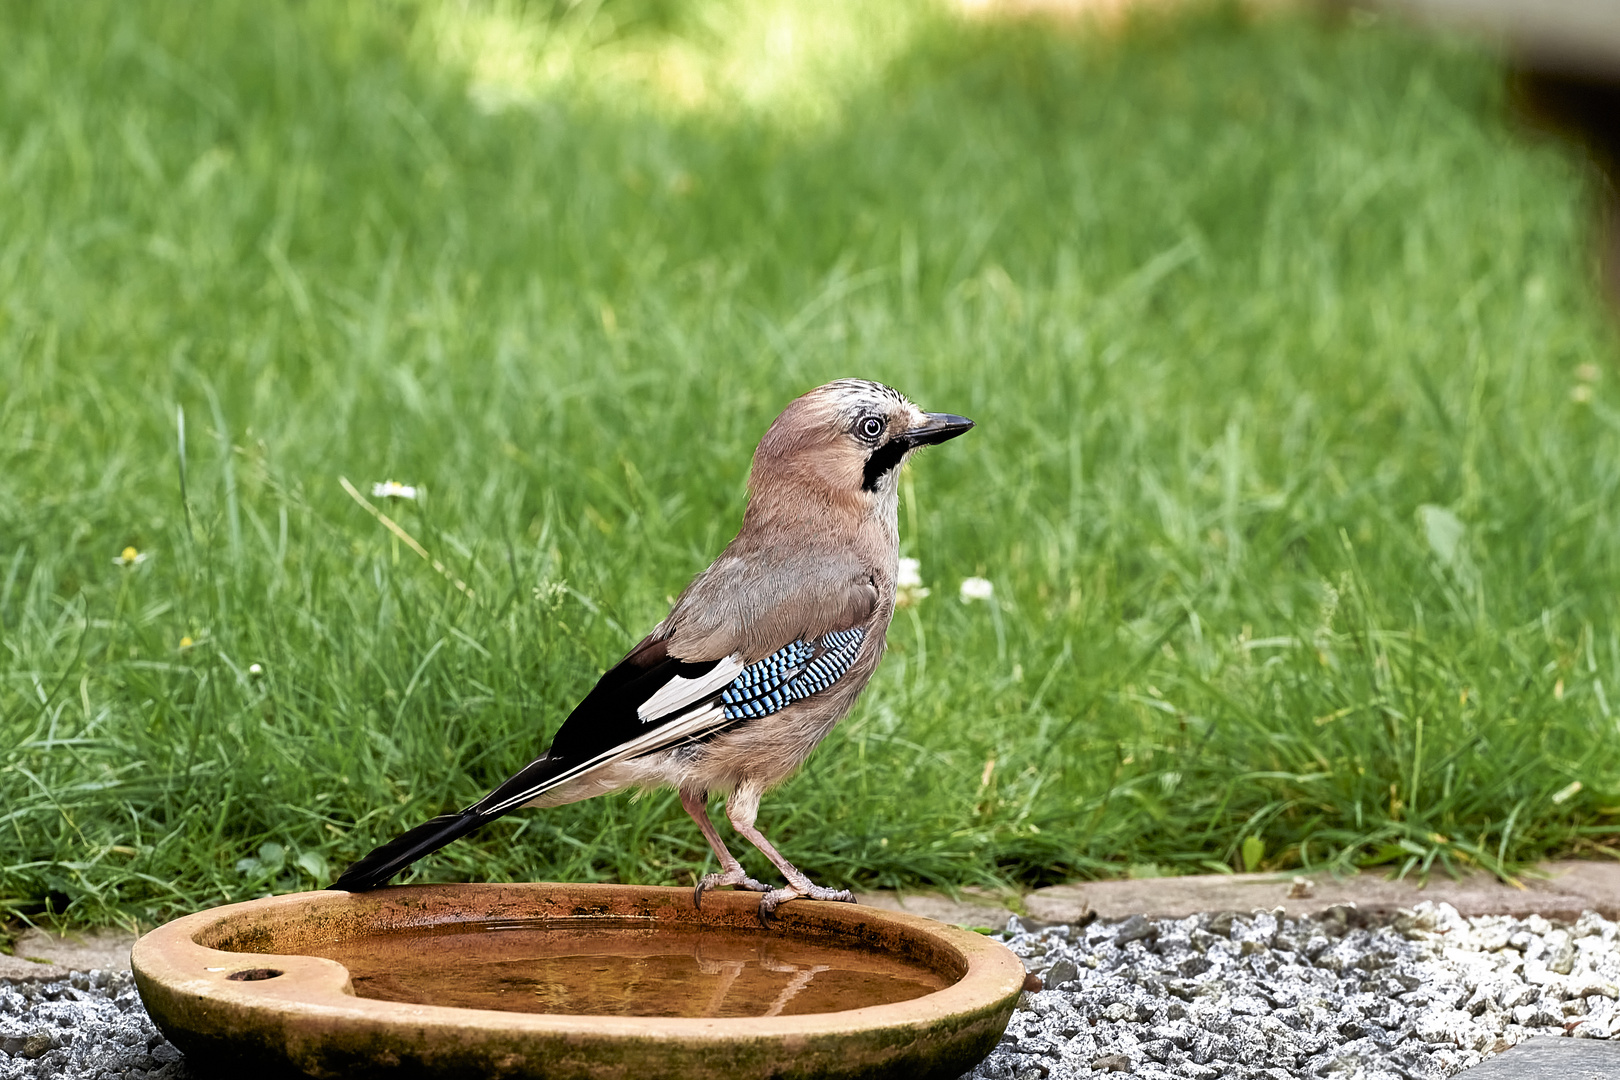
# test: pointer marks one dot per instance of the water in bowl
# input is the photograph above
(622, 968)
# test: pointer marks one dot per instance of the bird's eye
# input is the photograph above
(871, 427)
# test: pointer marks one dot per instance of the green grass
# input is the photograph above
(1297, 491)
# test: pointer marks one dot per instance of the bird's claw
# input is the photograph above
(821, 892)
(732, 877)
(777, 897)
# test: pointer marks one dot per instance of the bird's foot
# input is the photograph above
(730, 877)
(777, 897)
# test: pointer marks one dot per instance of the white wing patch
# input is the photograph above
(680, 693)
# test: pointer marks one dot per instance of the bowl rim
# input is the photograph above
(316, 989)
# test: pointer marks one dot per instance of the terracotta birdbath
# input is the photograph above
(586, 981)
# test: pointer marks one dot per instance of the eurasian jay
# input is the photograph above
(760, 657)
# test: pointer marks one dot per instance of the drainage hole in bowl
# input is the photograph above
(253, 974)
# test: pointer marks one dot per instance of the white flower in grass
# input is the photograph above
(910, 574)
(130, 557)
(255, 670)
(908, 586)
(976, 588)
(393, 489)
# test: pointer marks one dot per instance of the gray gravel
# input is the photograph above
(89, 1026)
(1260, 997)
(1242, 997)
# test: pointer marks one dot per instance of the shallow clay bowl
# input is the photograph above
(236, 989)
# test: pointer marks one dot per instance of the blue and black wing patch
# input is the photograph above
(791, 673)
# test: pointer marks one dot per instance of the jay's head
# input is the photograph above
(844, 443)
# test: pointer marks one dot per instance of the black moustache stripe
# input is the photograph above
(883, 461)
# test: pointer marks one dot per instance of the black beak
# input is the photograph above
(939, 427)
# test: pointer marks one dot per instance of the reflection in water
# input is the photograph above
(801, 979)
(623, 968)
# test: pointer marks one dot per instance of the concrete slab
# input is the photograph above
(1551, 1058)
(1567, 889)
(974, 908)
(40, 955)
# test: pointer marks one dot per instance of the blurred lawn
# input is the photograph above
(1296, 469)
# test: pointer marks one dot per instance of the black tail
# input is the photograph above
(384, 862)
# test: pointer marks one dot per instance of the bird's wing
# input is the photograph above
(639, 695)
(651, 701)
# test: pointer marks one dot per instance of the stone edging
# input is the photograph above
(1558, 890)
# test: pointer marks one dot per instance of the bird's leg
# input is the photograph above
(731, 871)
(742, 808)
